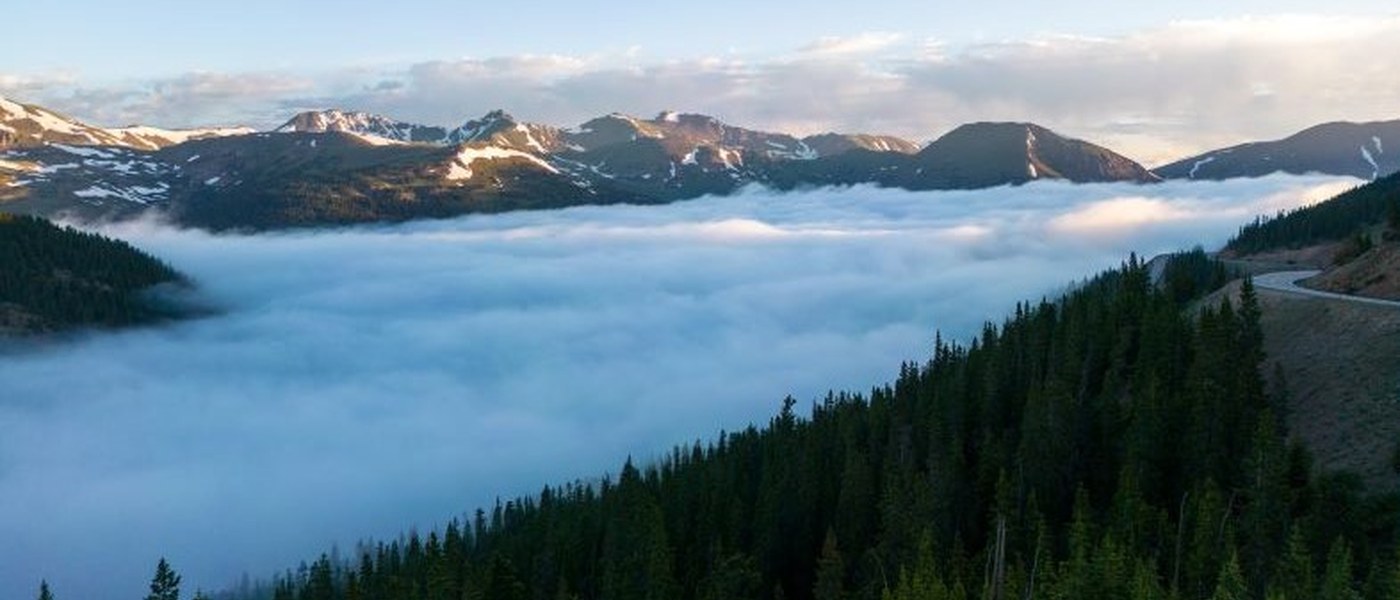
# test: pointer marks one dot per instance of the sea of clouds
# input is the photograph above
(363, 381)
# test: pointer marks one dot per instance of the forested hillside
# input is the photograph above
(58, 278)
(1106, 445)
(1336, 219)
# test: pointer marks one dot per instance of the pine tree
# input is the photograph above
(1294, 576)
(44, 593)
(1395, 579)
(636, 555)
(1146, 585)
(1337, 581)
(1229, 585)
(831, 571)
(735, 577)
(1264, 521)
(165, 585)
(319, 583)
(500, 582)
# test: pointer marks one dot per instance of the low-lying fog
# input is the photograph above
(364, 381)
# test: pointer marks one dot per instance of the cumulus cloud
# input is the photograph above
(363, 381)
(189, 100)
(1154, 94)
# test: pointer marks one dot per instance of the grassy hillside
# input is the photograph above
(60, 278)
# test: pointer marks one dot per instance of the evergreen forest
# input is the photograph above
(57, 278)
(1348, 215)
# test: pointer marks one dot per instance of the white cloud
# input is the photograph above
(363, 381)
(1155, 94)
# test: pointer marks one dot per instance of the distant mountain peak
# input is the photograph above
(1362, 150)
(989, 153)
(371, 127)
(498, 114)
(831, 144)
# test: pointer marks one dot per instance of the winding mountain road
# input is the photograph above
(1287, 281)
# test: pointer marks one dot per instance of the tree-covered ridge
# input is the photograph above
(1335, 219)
(58, 277)
(1105, 445)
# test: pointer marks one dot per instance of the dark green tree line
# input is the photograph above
(61, 277)
(1342, 217)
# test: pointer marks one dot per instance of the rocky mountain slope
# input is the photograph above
(337, 167)
(1363, 150)
(975, 155)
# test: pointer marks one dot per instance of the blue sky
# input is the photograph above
(152, 38)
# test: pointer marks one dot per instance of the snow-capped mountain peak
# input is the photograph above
(376, 129)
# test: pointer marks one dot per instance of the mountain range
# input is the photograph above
(338, 167)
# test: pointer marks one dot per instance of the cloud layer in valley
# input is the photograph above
(364, 381)
(1155, 94)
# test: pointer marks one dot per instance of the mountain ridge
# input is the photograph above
(1356, 149)
(337, 167)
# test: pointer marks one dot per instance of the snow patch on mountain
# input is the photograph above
(10, 108)
(1030, 154)
(731, 159)
(1375, 139)
(135, 194)
(1197, 165)
(375, 140)
(51, 169)
(530, 138)
(1375, 168)
(53, 122)
(10, 165)
(461, 166)
(156, 137)
(84, 151)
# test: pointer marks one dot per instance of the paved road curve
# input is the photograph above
(1287, 281)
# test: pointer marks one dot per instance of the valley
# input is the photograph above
(733, 301)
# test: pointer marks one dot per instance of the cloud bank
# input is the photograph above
(364, 381)
(1155, 94)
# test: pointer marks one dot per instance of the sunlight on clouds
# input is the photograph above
(1117, 216)
(967, 233)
